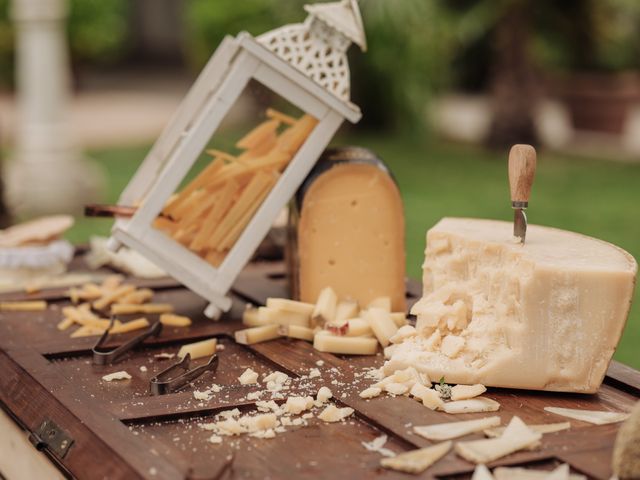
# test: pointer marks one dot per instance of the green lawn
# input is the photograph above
(594, 197)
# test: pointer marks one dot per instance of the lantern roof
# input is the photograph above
(344, 16)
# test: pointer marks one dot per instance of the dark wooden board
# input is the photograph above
(121, 431)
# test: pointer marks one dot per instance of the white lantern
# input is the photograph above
(306, 65)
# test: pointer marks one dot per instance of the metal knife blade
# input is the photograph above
(519, 224)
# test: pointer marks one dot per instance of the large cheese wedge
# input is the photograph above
(546, 315)
(351, 230)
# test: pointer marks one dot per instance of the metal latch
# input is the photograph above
(51, 437)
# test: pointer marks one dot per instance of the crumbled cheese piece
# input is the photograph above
(276, 377)
(122, 375)
(264, 421)
(264, 406)
(229, 413)
(215, 388)
(296, 405)
(269, 433)
(432, 400)
(307, 415)
(324, 394)
(377, 445)
(335, 414)
(396, 388)
(215, 439)
(297, 422)
(418, 391)
(320, 363)
(254, 395)
(201, 395)
(370, 392)
(143, 368)
(248, 377)
(464, 392)
(314, 372)
(403, 333)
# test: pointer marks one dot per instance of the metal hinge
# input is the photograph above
(51, 437)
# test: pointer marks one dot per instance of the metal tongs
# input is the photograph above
(522, 169)
(167, 382)
(102, 356)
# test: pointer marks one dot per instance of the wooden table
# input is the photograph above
(118, 430)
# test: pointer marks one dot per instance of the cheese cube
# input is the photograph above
(544, 315)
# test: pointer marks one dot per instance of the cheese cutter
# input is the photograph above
(522, 169)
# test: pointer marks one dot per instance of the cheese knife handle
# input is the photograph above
(522, 169)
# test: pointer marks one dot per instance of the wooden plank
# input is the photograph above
(162, 432)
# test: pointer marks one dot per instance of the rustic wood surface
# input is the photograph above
(121, 431)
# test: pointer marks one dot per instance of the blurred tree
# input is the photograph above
(522, 40)
(405, 61)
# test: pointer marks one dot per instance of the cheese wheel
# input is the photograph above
(546, 315)
(350, 234)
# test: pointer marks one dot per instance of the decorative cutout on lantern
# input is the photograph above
(318, 47)
(203, 231)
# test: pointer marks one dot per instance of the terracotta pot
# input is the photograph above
(599, 102)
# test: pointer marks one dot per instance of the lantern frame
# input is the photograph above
(236, 61)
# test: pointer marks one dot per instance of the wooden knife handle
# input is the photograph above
(522, 169)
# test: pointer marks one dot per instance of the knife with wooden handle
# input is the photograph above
(522, 169)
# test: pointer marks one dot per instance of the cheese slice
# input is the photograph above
(597, 417)
(546, 315)
(515, 437)
(351, 236)
(543, 428)
(448, 431)
(417, 461)
(482, 473)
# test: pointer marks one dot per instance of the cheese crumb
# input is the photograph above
(254, 395)
(335, 414)
(314, 372)
(248, 377)
(320, 363)
(143, 368)
(370, 392)
(296, 405)
(215, 439)
(122, 375)
(396, 388)
(324, 394)
(377, 445)
(201, 395)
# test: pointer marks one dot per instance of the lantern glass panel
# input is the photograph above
(235, 172)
